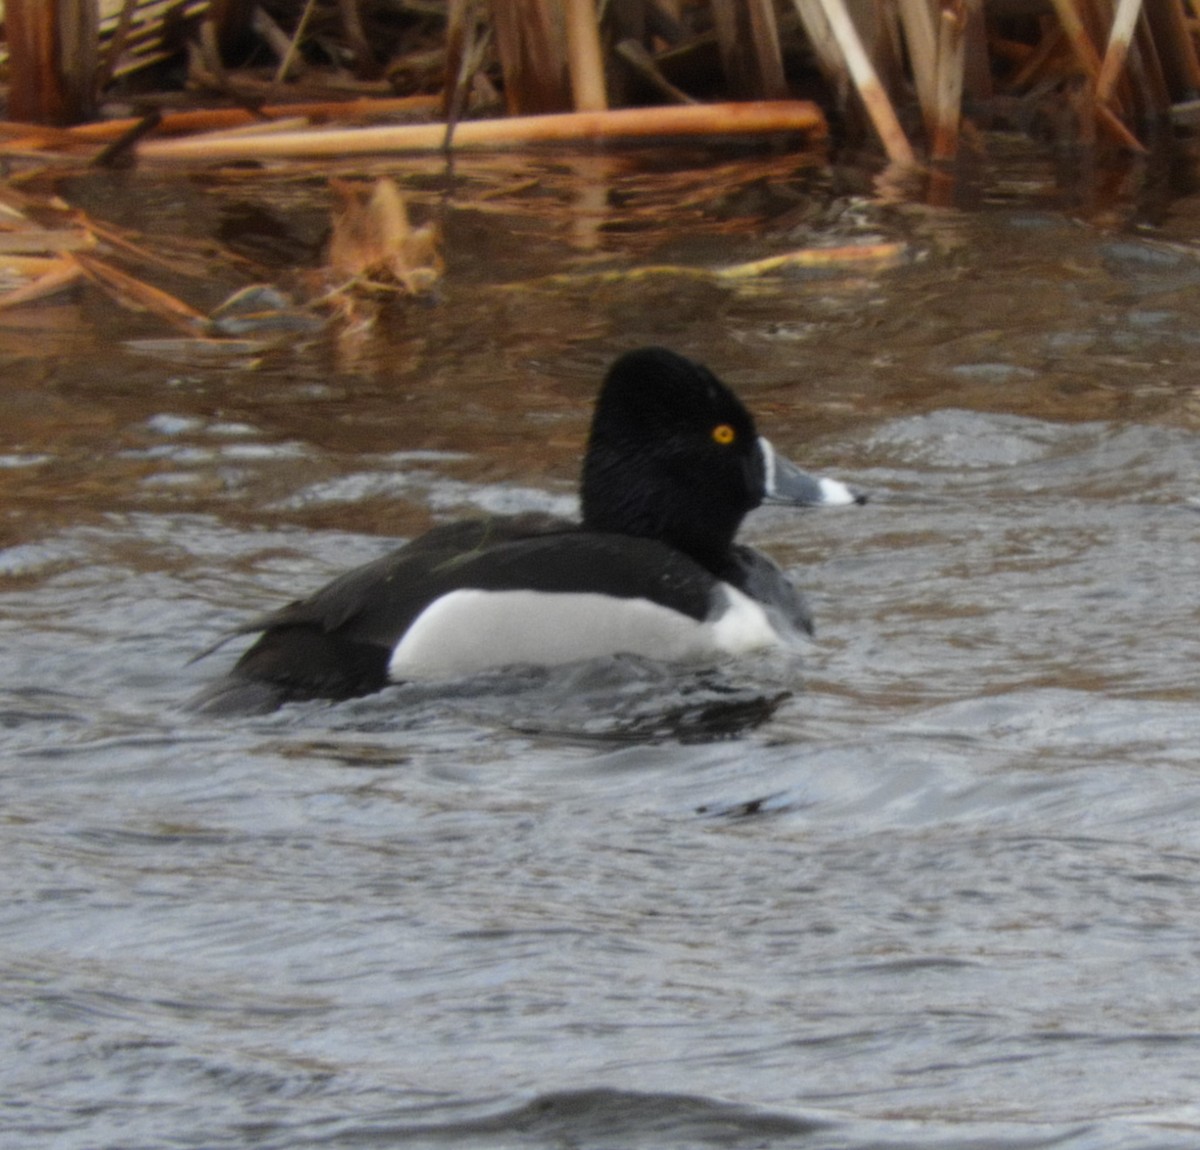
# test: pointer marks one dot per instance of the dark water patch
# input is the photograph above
(605, 701)
(605, 1117)
(613, 1118)
(348, 753)
(776, 804)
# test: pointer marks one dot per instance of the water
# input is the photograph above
(934, 884)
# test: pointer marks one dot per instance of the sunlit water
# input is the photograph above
(933, 883)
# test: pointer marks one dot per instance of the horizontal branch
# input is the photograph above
(751, 118)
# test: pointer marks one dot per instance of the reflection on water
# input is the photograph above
(933, 885)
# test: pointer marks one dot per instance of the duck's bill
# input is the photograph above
(786, 483)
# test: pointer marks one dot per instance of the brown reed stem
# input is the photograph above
(1070, 17)
(950, 59)
(921, 36)
(862, 73)
(1123, 26)
(745, 118)
(585, 58)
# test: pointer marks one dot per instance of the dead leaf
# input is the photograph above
(374, 245)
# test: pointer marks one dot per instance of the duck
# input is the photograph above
(673, 464)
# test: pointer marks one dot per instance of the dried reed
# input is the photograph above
(750, 118)
(1109, 68)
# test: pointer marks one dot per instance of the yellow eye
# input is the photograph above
(723, 434)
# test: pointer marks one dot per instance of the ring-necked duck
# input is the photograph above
(673, 465)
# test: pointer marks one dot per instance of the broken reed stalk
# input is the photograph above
(977, 68)
(950, 60)
(356, 39)
(1123, 25)
(32, 240)
(27, 266)
(261, 128)
(1147, 69)
(881, 255)
(751, 56)
(1092, 109)
(51, 61)
(1071, 20)
(751, 118)
(764, 30)
(585, 58)
(1117, 131)
(852, 257)
(921, 36)
(1173, 38)
(293, 48)
(1034, 63)
(117, 150)
(63, 274)
(535, 76)
(635, 54)
(862, 72)
(139, 295)
(116, 45)
(223, 119)
(829, 57)
(27, 136)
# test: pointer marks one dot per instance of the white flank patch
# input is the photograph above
(743, 626)
(470, 630)
(834, 493)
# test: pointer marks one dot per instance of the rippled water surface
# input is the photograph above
(935, 883)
